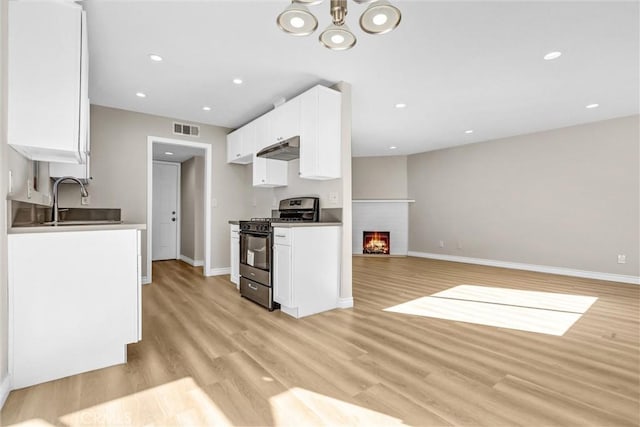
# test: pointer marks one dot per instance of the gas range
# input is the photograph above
(299, 209)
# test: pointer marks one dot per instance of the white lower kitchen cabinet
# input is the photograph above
(306, 269)
(235, 254)
(74, 302)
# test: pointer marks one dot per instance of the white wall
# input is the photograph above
(562, 198)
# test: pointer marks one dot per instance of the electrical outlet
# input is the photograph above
(622, 259)
(214, 203)
(441, 243)
(333, 198)
(85, 200)
(459, 244)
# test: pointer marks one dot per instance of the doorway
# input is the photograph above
(166, 217)
(164, 159)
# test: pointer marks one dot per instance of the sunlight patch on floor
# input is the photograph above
(301, 407)
(531, 311)
(36, 422)
(180, 402)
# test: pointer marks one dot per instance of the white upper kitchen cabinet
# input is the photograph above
(285, 121)
(269, 172)
(320, 134)
(241, 144)
(48, 80)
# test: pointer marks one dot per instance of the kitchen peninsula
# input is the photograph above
(74, 299)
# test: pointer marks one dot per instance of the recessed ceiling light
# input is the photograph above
(237, 81)
(206, 108)
(468, 131)
(401, 105)
(552, 55)
(592, 106)
(168, 153)
(154, 57)
(141, 94)
(393, 147)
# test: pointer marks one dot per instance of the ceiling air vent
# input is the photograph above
(184, 129)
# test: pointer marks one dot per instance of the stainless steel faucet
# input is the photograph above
(54, 210)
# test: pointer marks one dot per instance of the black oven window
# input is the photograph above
(255, 251)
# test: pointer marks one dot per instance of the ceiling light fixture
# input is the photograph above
(297, 20)
(141, 95)
(379, 18)
(468, 131)
(155, 58)
(206, 108)
(552, 55)
(393, 147)
(590, 106)
(401, 105)
(168, 153)
(237, 81)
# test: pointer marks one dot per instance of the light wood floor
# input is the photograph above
(209, 357)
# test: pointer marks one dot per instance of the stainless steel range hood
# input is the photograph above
(288, 149)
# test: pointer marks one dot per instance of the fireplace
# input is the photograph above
(376, 242)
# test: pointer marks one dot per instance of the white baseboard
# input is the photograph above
(145, 280)
(218, 271)
(345, 302)
(610, 277)
(5, 389)
(195, 263)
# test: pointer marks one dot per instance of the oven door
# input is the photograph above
(255, 257)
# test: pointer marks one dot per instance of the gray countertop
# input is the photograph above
(65, 228)
(305, 224)
(296, 224)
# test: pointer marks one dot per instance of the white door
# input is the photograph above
(166, 182)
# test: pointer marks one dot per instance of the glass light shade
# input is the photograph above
(380, 18)
(309, 2)
(297, 20)
(337, 37)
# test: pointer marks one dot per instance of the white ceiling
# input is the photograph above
(457, 65)
(180, 153)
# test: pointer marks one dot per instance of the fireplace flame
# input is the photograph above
(375, 242)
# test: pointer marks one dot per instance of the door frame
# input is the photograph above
(178, 205)
(208, 149)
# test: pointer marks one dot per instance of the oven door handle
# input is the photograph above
(250, 233)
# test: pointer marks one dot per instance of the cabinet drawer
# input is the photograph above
(255, 292)
(282, 236)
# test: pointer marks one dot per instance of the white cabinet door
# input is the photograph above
(47, 99)
(306, 272)
(78, 309)
(285, 121)
(240, 145)
(320, 134)
(235, 254)
(263, 136)
(282, 287)
(269, 172)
